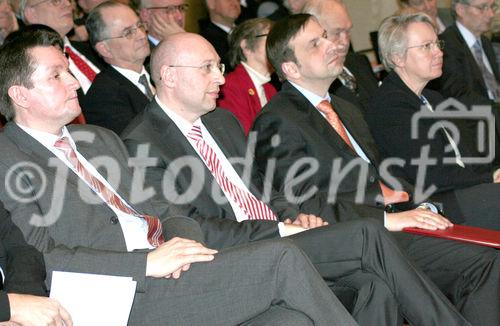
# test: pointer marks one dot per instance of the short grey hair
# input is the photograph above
(392, 39)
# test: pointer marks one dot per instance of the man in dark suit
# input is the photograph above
(470, 70)
(320, 144)
(186, 102)
(88, 221)
(356, 83)
(222, 15)
(123, 88)
(22, 283)
(84, 63)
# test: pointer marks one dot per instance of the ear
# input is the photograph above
(291, 70)
(102, 48)
(460, 9)
(19, 95)
(399, 60)
(167, 76)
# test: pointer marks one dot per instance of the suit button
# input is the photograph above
(113, 220)
(372, 179)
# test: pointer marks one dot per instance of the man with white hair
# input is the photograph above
(163, 17)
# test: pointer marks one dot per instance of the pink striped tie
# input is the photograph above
(155, 234)
(254, 209)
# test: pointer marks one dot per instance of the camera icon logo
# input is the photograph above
(445, 119)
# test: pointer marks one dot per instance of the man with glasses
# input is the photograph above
(216, 29)
(163, 17)
(123, 88)
(84, 64)
(356, 83)
(470, 70)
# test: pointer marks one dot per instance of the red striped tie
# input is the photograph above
(254, 209)
(155, 234)
(81, 64)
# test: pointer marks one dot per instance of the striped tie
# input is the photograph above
(80, 64)
(254, 209)
(155, 234)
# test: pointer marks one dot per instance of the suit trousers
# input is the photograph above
(472, 283)
(273, 278)
(339, 250)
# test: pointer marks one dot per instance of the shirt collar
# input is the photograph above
(153, 40)
(184, 125)
(469, 38)
(257, 77)
(224, 27)
(47, 139)
(310, 96)
(131, 75)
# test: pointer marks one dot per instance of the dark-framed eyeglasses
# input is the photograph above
(172, 9)
(130, 32)
(484, 7)
(429, 46)
(206, 68)
(53, 3)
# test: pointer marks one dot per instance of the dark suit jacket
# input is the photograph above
(360, 67)
(22, 265)
(239, 95)
(390, 116)
(217, 37)
(462, 78)
(112, 101)
(304, 134)
(168, 145)
(390, 120)
(76, 231)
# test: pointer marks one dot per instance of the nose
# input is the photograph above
(72, 82)
(219, 77)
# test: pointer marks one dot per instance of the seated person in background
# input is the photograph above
(440, 16)
(288, 7)
(411, 51)
(183, 126)
(123, 88)
(22, 282)
(320, 144)
(222, 15)
(162, 18)
(470, 70)
(86, 220)
(356, 83)
(248, 88)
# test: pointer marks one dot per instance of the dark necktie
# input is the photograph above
(80, 64)
(390, 196)
(254, 208)
(488, 77)
(155, 234)
(349, 81)
(144, 82)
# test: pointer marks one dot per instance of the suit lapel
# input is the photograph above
(139, 100)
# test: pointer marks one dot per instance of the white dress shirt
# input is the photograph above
(133, 77)
(258, 81)
(135, 229)
(185, 127)
(85, 83)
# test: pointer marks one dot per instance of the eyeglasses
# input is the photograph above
(54, 3)
(484, 8)
(206, 68)
(429, 46)
(172, 9)
(130, 32)
(261, 35)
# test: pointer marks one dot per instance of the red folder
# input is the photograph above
(479, 236)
